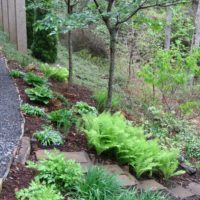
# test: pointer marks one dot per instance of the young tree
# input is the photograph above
(114, 14)
(63, 16)
(70, 7)
(196, 40)
(168, 28)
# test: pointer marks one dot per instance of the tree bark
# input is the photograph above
(70, 78)
(168, 28)
(196, 42)
(113, 34)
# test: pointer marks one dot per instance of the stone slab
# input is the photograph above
(194, 188)
(115, 169)
(1, 184)
(24, 151)
(80, 157)
(151, 185)
(180, 192)
(127, 181)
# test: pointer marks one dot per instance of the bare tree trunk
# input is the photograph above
(70, 10)
(70, 78)
(113, 34)
(168, 28)
(196, 42)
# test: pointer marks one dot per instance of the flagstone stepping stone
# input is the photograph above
(180, 192)
(115, 169)
(24, 151)
(80, 157)
(151, 185)
(194, 188)
(127, 180)
(1, 184)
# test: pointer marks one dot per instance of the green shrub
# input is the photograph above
(108, 133)
(98, 184)
(38, 191)
(30, 20)
(57, 73)
(45, 44)
(35, 80)
(16, 73)
(48, 136)
(101, 98)
(82, 108)
(63, 118)
(40, 93)
(56, 170)
(32, 110)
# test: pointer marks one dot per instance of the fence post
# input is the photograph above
(1, 16)
(13, 21)
(21, 25)
(5, 15)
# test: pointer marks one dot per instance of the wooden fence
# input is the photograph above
(13, 21)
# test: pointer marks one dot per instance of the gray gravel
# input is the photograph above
(10, 118)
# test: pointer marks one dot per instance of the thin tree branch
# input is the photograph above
(110, 4)
(105, 19)
(142, 7)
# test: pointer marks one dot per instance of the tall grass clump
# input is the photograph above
(101, 99)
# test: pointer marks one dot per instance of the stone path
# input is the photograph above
(10, 118)
(129, 181)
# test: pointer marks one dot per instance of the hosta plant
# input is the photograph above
(16, 73)
(40, 94)
(32, 110)
(82, 108)
(33, 79)
(57, 73)
(56, 170)
(39, 191)
(48, 136)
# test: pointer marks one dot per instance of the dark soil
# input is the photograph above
(182, 180)
(18, 178)
(73, 93)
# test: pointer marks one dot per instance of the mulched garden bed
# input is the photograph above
(20, 176)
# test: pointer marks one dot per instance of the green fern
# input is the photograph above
(114, 133)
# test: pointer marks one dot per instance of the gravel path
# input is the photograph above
(10, 118)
